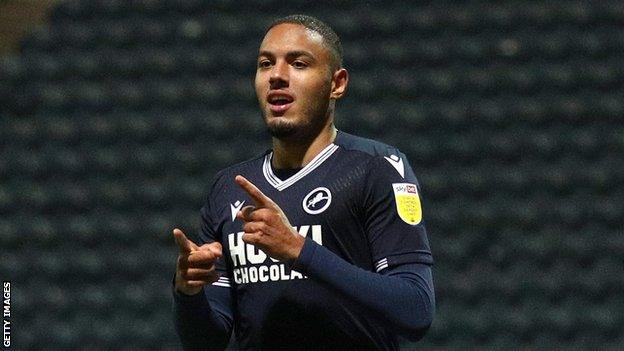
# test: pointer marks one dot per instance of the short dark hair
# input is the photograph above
(327, 33)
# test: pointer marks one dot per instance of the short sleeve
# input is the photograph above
(394, 219)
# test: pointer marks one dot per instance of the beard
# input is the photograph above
(300, 130)
(282, 130)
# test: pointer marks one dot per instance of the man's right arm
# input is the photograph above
(204, 321)
(202, 311)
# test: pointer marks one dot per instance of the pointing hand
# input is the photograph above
(196, 264)
(266, 225)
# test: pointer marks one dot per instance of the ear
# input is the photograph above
(340, 80)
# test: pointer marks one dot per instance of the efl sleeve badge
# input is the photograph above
(407, 202)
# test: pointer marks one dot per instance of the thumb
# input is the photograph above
(184, 244)
(245, 212)
(214, 247)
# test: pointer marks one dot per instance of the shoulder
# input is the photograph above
(370, 147)
(383, 160)
(243, 166)
(223, 180)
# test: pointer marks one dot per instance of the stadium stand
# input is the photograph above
(115, 115)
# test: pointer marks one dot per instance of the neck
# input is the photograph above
(297, 154)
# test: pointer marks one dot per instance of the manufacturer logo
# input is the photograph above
(235, 207)
(397, 163)
(317, 200)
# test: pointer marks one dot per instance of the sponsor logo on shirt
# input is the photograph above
(407, 202)
(252, 265)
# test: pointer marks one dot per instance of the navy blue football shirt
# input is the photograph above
(357, 203)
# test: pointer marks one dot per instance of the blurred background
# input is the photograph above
(114, 116)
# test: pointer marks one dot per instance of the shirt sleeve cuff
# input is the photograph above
(188, 301)
(306, 256)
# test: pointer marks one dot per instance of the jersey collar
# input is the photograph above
(312, 165)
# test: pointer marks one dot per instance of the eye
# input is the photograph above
(264, 64)
(299, 64)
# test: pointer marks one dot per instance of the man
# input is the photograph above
(316, 244)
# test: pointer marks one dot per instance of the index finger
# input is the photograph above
(184, 244)
(256, 195)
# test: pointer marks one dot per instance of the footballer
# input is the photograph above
(316, 244)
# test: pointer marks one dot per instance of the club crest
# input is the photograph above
(317, 200)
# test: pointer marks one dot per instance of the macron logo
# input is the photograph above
(235, 207)
(397, 163)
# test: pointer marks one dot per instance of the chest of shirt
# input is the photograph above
(326, 205)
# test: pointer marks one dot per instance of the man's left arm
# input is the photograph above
(402, 294)
(401, 290)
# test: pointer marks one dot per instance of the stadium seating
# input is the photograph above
(115, 116)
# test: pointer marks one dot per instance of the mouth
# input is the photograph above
(279, 101)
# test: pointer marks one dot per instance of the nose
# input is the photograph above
(279, 75)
